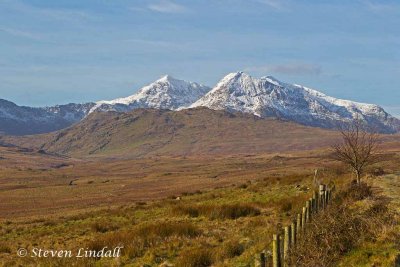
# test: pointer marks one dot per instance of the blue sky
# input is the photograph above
(54, 52)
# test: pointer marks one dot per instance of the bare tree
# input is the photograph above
(358, 147)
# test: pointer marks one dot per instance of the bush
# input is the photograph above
(5, 249)
(243, 186)
(167, 229)
(355, 192)
(230, 249)
(137, 240)
(103, 226)
(201, 257)
(378, 171)
(226, 211)
(286, 206)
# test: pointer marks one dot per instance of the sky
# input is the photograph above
(56, 52)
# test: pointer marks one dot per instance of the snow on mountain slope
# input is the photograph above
(165, 93)
(267, 96)
(264, 97)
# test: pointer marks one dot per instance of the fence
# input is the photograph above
(283, 243)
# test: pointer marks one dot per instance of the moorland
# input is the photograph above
(184, 189)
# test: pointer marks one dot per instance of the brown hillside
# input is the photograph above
(149, 132)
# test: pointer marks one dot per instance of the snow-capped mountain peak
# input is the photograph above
(165, 93)
(267, 96)
(237, 91)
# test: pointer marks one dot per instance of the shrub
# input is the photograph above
(200, 257)
(137, 240)
(167, 229)
(286, 206)
(378, 171)
(103, 226)
(5, 249)
(226, 211)
(230, 249)
(191, 211)
(243, 186)
(355, 192)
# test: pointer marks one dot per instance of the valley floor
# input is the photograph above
(33, 184)
(167, 210)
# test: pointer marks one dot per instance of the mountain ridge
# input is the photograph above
(268, 96)
(165, 93)
(236, 92)
(15, 119)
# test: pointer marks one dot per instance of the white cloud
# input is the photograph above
(289, 69)
(166, 6)
(70, 15)
(19, 33)
(380, 7)
(275, 4)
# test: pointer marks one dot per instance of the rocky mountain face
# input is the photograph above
(165, 93)
(20, 120)
(268, 97)
(236, 92)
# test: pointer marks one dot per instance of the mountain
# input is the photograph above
(165, 93)
(20, 120)
(268, 97)
(236, 92)
(188, 132)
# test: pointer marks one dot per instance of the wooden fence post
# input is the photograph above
(276, 252)
(286, 245)
(315, 199)
(281, 252)
(326, 198)
(311, 208)
(303, 219)
(329, 195)
(262, 260)
(322, 195)
(294, 237)
(298, 225)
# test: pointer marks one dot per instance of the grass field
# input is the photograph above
(185, 211)
(34, 184)
(237, 221)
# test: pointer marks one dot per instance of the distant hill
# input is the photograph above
(21, 120)
(200, 131)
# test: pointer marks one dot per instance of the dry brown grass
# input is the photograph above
(200, 257)
(136, 240)
(103, 226)
(43, 189)
(5, 249)
(226, 211)
(230, 249)
(341, 228)
(121, 205)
